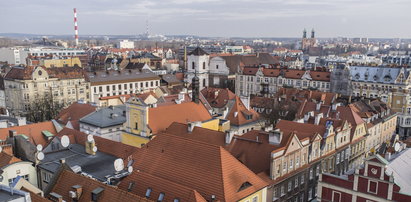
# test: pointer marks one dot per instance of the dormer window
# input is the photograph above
(160, 197)
(245, 185)
(148, 192)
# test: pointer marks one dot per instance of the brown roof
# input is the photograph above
(32, 131)
(159, 118)
(6, 159)
(37, 198)
(256, 155)
(75, 112)
(237, 114)
(171, 190)
(206, 168)
(217, 97)
(25, 73)
(68, 179)
(114, 148)
(302, 130)
(200, 134)
(288, 73)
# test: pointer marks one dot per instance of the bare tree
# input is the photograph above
(43, 109)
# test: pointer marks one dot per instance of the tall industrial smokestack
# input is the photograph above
(75, 26)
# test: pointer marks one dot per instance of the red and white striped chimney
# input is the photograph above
(75, 26)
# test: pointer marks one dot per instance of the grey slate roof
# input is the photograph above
(126, 74)
(198, 51)
(98, 166)
(386, 75)
(106, 117)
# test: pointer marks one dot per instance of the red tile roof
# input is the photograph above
(6, 159)
(159, 118)
(217, 97)
(32, 131)
(237, 114)
(68, 179)
(206, 168)
(199, 134)
(74, 113)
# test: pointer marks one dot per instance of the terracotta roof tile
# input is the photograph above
(217, 97)
(68, 179)
(32, 131)
(237, 114)
(74, 113)
(6, 159)
(206, 168)
(162, 116)
(200, 134)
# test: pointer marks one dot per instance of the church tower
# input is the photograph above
(198, 62)
(195, 87)
(312, 34)
(304, 34)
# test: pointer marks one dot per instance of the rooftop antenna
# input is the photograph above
(75, 26)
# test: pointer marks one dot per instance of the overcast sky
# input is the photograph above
(247, 18)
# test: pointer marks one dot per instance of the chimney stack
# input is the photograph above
(318, 118)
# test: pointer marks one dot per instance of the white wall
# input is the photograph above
(20, 168)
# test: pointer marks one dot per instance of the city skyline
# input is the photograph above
(210, 18)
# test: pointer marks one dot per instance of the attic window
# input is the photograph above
(161, 197)
(249, 117)
(148, 192)
(245, 185)
(318, 75)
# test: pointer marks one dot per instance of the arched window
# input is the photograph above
(193, 65)
(204, 83)
(203, 65)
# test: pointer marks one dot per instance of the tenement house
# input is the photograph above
(25, 85)
(264, 80)
(389, 84)
(128, 81)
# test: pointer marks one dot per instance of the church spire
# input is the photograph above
(304, 34)
(195, 87)
(312, 33)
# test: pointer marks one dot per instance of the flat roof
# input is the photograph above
(98, 166)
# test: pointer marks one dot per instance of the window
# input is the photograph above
(297, 161)
(176, 200)
(291, 164)
(193, 65)
(148, 192)
(255, 198)
(95, 89)
(204, 65)
(47, 177)
(302, 179)
(284, 167)
(336, 196)
(217, 68)
(161, 197)
(311, 173)
(282, 190)
(125, 86)
(114, 87)
(146, 84)
(372, 186)
(108, 88)
(119, 86)
(296, 182)
(151, 84)
(136, 126)
(289, 185)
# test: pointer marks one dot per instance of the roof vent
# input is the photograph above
(96, 193)
(275, 137)
(55, 197)
(76, 193)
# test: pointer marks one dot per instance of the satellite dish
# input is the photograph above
(65, 141)
(90, 138)
(130, 169)
(40, 156)
(397, 147)
(94, 149)
(118, 165)
(39, 147)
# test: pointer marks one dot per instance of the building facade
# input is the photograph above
(257, 81)
(24, 85)
(121, 82)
